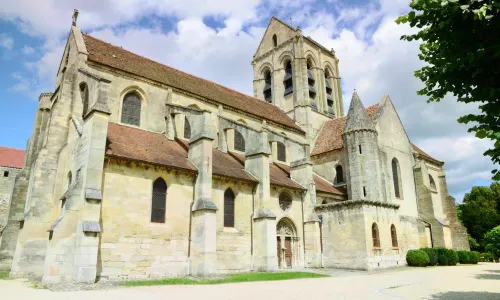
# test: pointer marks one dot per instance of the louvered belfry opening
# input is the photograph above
(268, 94)
(311, 82)
(288, 80)
(131, 109)
(228, 208)
(159, 201)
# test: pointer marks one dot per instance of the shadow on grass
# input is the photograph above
(232, 278)
(465, 296)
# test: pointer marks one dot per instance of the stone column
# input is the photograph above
(302, 172)
(257, 164)
(204, 254)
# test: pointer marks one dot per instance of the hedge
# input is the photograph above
(451, 256)
(465, 257)
(433, 255)
(442, 260)
(417, 258)
(474, 257)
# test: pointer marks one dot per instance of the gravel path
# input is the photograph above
(479, 282)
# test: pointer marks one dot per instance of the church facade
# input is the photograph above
(138, 170)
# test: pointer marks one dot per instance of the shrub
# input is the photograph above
(464, 257)
(474, 257)
(417, 258)
(442, 260)
(452, 257)
(433, 255)
(486, 257)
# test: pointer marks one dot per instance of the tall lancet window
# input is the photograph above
(329, 94)
(159, 201)
(84, 93)
(396, 178)
(131, 109)
(187, 128)
(268, 94)
(311, 82)
(239, 141)
(228, 208)
(288, 80)
(375, 236)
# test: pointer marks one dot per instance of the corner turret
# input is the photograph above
(362, 154)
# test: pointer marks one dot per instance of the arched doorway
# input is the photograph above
(288, 244)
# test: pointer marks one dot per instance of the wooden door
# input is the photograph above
(279, 251)
(288, 251)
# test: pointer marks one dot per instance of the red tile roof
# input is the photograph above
(144, 146)
(10, 157)
(330, 135)
(115, 57)
(225, 164)
(280, 176)
(326, 187)
(425, 155)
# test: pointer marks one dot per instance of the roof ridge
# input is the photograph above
(183, 72)
(10, 148)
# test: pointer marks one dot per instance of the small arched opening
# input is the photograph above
(375, 236)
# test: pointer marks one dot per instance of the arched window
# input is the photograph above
(329, 94)
(375, 236)
(239, 141)
(285, 201)
(228, 208)
(275, 40)
(159, 201)
(84, 93)
(288, 81)
(394, 236)
(281, 151)
(268, 94)
(187, 128)
(339, 178)
(311, 83)
(432, 183)
(70, 177)
(396, 178)
(131, 109)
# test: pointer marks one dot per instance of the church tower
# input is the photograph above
(362, 154)
(298, 75)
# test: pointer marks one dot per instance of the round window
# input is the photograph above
(285, 201)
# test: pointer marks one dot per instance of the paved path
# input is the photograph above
(479, 282)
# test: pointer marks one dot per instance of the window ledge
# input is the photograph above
(230, 229)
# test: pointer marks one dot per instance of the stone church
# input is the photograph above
(138, 170)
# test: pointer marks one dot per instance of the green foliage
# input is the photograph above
(473, 244)
(464, 257)
(474, 257)
(492, 242)
(432, 254)
(486, 257)
(442, 260)
(232, 278)
(4, 275)
(459, 42)
(451, 256)
(479, 212)
(417, 258)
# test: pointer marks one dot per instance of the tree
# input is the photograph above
(492, 242)
(461, 49)
(479, 212)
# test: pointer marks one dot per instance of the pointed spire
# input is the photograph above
(357, 117)
(74, 17)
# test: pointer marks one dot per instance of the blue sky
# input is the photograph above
(223, 36)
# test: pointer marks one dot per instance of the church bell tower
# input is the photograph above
(298, 75)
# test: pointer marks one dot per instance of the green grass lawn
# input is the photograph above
(231, 278)
(4, 275)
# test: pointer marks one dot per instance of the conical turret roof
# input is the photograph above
(357, 117)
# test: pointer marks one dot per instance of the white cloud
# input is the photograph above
(28, 50)
(366, 39)
(6, 41)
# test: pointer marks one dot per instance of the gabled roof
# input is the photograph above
(324, 186)
(425, 155)
(12, 158)
(330, 136)
(115, 57)
(147, 147)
